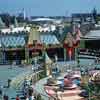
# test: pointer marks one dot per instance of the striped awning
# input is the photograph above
(49, 39)
(12, 41)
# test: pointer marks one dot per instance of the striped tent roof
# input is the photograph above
(49, 39)
(12, 41)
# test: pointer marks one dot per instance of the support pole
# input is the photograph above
(65, 54)
(26, 54)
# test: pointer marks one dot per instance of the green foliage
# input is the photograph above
(10, 47)
(42, 75)
(39, 97)
(94, 90)
(19, 46)
(98, 18)
(82, 44)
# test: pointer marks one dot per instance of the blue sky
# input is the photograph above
(48, 7)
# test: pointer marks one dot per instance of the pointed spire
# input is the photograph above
(94, 11)
(15, 22)
(2, 24)
(94, 15)
(24, 13)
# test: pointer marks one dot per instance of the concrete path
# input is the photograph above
(39, 87)
(6, 72)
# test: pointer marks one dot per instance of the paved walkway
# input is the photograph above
(39, 87)
(7, 73)
(11, 72)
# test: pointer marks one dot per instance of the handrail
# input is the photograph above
(17, 81)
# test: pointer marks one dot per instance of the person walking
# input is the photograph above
(17, 97)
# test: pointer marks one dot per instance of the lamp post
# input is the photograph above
(3, 51)
(56, 59)
(65, 54)
(44, 58)
(27, 54)
(77, 57)
(34, 67)
(56, 65)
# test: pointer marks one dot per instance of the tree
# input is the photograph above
(38, 97)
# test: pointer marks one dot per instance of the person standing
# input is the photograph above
(5, 97)
(27, 98)
(0, 93)
(9, 81)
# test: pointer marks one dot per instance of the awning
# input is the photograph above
(49, 39)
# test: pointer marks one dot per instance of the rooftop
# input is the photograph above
(49, 39)
(15, 30)
(94, 34)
